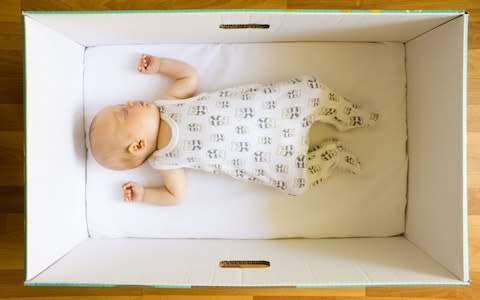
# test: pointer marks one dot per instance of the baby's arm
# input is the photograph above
(173, 189)
(185, 76)
(171, 193)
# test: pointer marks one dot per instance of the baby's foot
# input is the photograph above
(149, 64)
(339, 112)
(349, 162)
(344, 159)
(322, 160)
(361, 118)
(327, 156)
(352, 117)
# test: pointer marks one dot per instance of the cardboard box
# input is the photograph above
(433, 250)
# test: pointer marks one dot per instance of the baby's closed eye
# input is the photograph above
(124, 113)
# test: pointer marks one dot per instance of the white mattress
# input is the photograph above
(217, 206)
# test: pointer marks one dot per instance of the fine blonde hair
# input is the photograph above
(113, 155)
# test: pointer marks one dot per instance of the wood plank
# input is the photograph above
(11, 35)
(137, 298)
(474, 152)
(474, 91)
(277, 292)
(11, 158)
(474, 32)
(149, 297)
(10, 10)
(474, 170)
(473, 118)
(473, 66)
(13, 227)
(473, 180)
(11, 89)
(146, 4)
(471, 292)
(11, 62)
(474, 242)
(11, 199)
(11, 68)
(80, 298)
(11, 116)
(442, 292)
(11, 285)
(11, 242)
(347, 298)
(474, 201)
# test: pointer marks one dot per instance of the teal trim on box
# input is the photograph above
(68, 284)
(466, 273)
(24, 148)
(166, 286)
(186, 286)
(353, 285)
(373, 11)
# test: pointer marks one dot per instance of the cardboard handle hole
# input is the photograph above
(244, 264)
(244, 26)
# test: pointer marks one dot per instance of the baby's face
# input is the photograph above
(124, 128)
(132, 119)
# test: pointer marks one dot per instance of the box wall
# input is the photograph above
(293, 262)
(55, 148)
(436, 105)
(154, 27)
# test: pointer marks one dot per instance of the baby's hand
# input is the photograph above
(132, 191)
(149, 64)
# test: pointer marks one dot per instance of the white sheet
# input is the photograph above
(370, 204)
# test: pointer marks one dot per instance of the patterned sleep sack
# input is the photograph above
(257, 132)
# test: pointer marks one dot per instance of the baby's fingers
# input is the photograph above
(128, 185)
(144, 63)
(141, 66)
(127, 195)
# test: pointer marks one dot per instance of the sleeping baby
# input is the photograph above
(254, 132)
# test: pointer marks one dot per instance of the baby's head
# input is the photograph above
(123, 136)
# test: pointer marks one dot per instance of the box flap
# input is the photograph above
(437, 144)
(293, 262)
(55, 147)
(154, 27)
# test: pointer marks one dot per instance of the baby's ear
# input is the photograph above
(137, 146)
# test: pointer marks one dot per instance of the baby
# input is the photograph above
(253, 132)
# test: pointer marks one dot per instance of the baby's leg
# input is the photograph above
(327, 156)
(336, 110)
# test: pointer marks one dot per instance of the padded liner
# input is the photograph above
(217, 206)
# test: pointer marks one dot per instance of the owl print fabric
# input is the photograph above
(256, 132)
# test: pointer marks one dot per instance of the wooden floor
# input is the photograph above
(11, 158)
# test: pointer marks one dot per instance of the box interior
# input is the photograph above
(371, 75)
(435, 217)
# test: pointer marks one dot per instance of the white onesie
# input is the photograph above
(259, 133)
